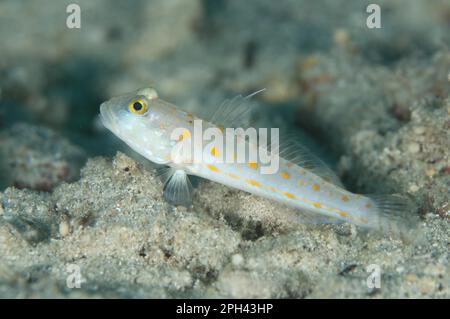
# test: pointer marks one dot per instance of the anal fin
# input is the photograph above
(307, 217)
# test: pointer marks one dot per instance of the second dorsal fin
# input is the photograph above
(295, 152)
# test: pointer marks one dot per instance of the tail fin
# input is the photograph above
(395, 215)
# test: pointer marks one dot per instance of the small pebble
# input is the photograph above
(124, 163)
(419, 130)
(413, 188)
(64, 228)
(413, 147)
(237, 260)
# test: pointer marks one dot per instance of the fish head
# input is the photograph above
(136, 119)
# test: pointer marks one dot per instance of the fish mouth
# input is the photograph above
(106, 116)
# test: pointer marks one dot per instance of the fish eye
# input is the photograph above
(138, 106)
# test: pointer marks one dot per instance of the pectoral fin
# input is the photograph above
(178, 189)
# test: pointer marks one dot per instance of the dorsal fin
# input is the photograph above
(292, 150)
(234, 112)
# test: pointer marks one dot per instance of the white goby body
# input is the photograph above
(145, 122)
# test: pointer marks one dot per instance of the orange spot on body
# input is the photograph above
(368, 205)
(284, 174)
(214, 151)
(317, 205)
(253, 182)
(343, 214)
(212, 168)
(233, 175)
(290, 195)
(184, 135)
(345, 198)
(252, 165)
(316, 187)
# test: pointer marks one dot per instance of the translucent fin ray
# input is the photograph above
(295, 152)
(395, 215)
(177, 188)
(235, 112)
(306, 217)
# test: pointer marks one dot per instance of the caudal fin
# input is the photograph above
(395, 215)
